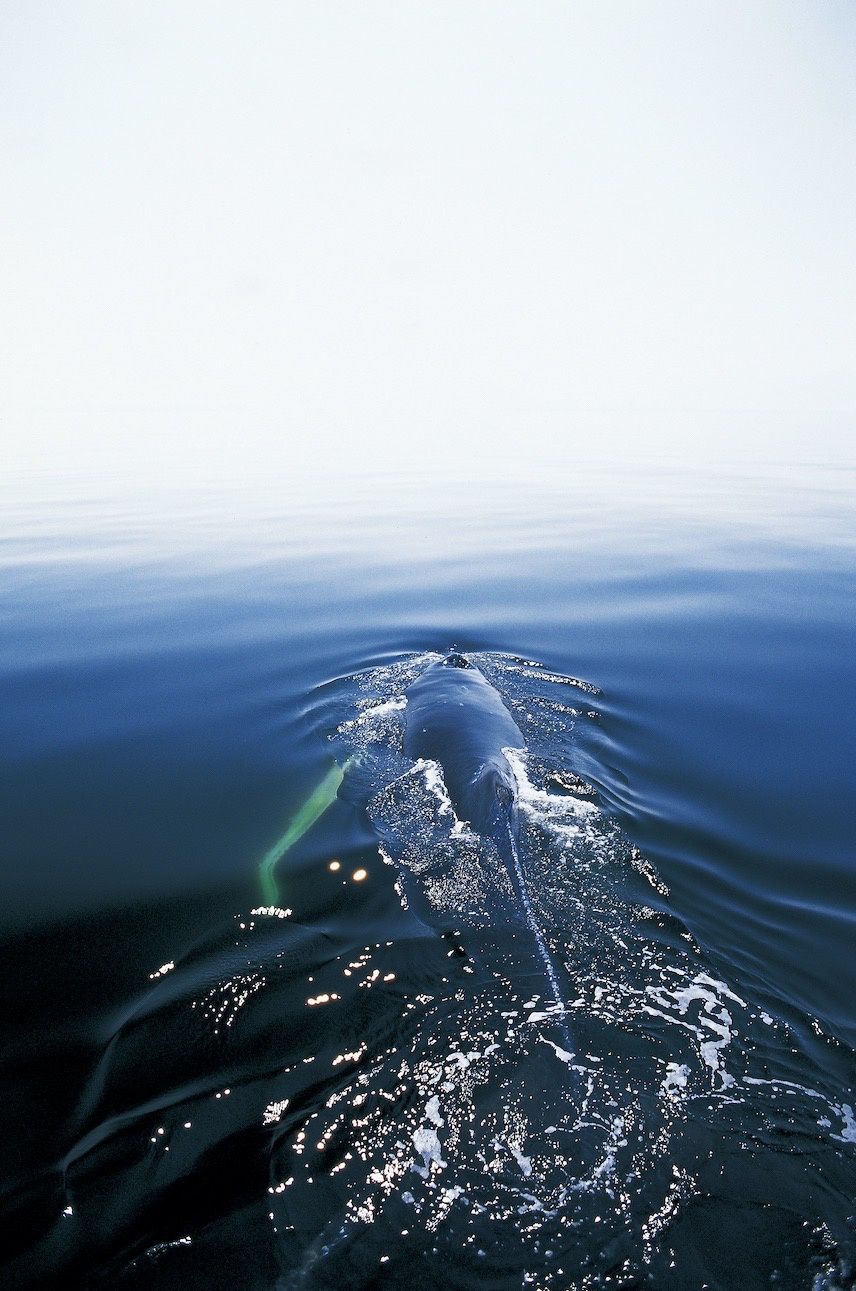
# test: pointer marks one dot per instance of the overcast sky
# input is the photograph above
(260, 232)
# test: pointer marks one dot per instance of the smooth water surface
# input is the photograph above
(179, 671)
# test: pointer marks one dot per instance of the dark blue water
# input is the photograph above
(180, 670)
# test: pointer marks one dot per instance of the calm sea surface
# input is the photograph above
(364, 1083)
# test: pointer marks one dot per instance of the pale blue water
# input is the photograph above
(175, 668)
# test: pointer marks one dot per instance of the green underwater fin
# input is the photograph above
(322, 796)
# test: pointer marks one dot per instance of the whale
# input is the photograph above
(455, 718)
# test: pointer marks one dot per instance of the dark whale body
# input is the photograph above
(455, 717)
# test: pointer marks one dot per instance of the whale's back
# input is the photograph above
(456, 718)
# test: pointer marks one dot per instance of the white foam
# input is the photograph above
(432, 1111)
(713, 1016)
(848, 1132)
(432, 773)
(566, 817)
(371, 713)
(616, 1141)
(551, 808)
(843, 1111)
(675, 1079)
(427, 1144)
(776, 1083)
(562, 1054)
(524, 1162)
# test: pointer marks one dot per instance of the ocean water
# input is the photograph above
(363, 1077)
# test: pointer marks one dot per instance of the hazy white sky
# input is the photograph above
(279, 232)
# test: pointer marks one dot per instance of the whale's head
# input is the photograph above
(454, 660)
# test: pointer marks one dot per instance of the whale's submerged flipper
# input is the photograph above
(456, 718)
(322, 796)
